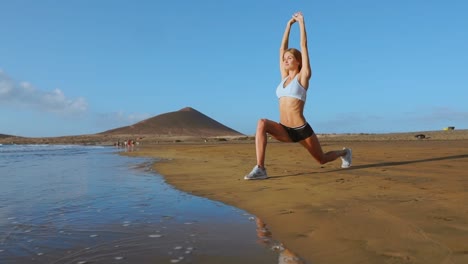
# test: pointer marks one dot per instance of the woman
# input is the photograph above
(292, 91)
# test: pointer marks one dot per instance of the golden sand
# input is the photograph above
(402, 201)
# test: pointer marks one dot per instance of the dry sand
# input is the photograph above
(403, 201)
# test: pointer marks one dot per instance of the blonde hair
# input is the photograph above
(297, 55)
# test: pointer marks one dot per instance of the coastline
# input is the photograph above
(399, 203)
(154, 139)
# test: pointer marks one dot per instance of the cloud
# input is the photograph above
(442, 114)
(447, 113)
(123, 117)
(420, 119)
(118, 119)
(24, 94)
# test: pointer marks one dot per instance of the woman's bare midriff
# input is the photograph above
(291, 110)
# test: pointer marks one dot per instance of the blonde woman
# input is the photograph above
(292, 94)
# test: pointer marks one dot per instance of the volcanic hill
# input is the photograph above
(185, 122)
(5, 136)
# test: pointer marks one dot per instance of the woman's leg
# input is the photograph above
(265, 126)
(312, 145)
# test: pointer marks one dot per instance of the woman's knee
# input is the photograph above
(322, 160)
(318, 155)
(261, 124)
(319, 158)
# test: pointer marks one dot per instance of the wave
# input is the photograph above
(45, 147)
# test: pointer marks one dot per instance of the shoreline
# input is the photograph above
(150, 139)
(399, 202)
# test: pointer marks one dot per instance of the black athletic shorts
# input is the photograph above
(297, 134)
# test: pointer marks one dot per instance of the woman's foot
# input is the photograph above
(257, 173)
(346, 159)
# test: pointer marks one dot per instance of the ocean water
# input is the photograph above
(87, 204)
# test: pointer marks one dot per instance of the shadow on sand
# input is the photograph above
(376, 165)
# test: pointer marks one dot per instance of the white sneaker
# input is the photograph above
(256, 174)
(346, 159)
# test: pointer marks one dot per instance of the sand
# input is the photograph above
(403, 201)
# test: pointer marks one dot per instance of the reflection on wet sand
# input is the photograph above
(286, 256)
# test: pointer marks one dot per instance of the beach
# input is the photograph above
(402, 201)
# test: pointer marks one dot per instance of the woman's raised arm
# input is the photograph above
(284, 46)
(306, 71)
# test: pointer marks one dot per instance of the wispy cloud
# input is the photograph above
(445, 114)
(24, 94)
(421, 119)
(122, 117)
(119, 119)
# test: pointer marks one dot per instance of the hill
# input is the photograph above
(185, 122)
(5, 136)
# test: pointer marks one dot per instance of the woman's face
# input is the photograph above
(289, 61)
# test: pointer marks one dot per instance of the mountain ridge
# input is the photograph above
(5, 136)
(184, 122)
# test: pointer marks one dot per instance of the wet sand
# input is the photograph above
(79, 204)
(403, 201)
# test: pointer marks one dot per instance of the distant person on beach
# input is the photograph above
(292, 91)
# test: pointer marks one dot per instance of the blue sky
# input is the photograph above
(82, 67)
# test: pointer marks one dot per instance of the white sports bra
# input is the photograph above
(293, 89)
